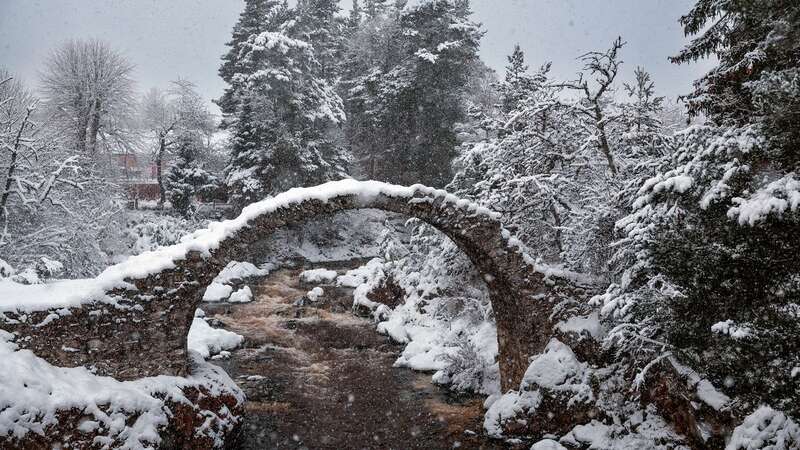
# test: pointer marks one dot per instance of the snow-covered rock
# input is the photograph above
(208, 341)
(85, 410)
(315, 294)
(317, 276)
(217, 292)
(766, 429)
(243, 295)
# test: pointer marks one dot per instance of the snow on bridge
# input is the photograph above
(132, 320)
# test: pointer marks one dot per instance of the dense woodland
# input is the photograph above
(686, 211)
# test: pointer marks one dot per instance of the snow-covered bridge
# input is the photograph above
(135, 316)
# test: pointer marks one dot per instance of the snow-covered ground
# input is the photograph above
(129, 412)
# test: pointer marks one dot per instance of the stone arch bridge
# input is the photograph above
(133, 319)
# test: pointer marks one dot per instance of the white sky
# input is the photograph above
(167, 39)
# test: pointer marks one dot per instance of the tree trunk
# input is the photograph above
(557, 222)
(605, 148)
(162, 144)
(93, 128)
(82, 121)
(12, 167)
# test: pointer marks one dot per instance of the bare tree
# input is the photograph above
(604, 67)
(87, 86)
(16, 108)
(50, 201)
(169, 115)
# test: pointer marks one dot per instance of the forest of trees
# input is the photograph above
(693, 227)
(688, 211)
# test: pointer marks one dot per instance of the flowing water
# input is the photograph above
(318, 377)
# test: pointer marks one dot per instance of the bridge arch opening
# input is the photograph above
(516, 289)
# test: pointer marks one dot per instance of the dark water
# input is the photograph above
(317, 377)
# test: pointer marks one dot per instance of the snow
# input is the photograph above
(53, 294)
(217, 292)
(577, 324)
(704, 389)
(765, 429)
(671, 181)
(729, 328)
(426, 55)
(710, 395)
(508, 407)
(318, 276)
(594, 435)
(315, 294)
(221, 290)
(208, 341)
(776, 198)
(130, 412)
(548, 444)
(360, 275)
(236, 270)
(558, 369)
(207, 240)
(277, 41)
(243, 295)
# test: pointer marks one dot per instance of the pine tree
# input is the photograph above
(283, 113)
(407, 92)
(376, 8)
(186, 179)
(354, 19)
(758, 46)
(318, 24)
(517, 83)
(258, 16)
(445, 46)
(716, 229)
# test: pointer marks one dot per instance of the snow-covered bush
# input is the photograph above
(44, 269)
(146, 231)
(444, 317)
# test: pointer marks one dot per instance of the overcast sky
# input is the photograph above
(167, 39)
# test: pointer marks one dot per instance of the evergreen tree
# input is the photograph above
(409, 91)
(282, 112)
(376, 8)
(258, 16)
(757, 44)
(716, 230)
(186, 179)
(318, 24)
(354, 19)
(283, 116)
(517, 83)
